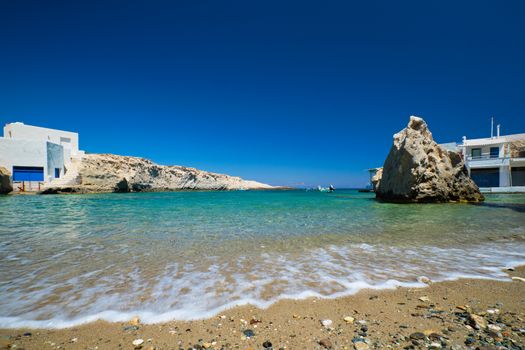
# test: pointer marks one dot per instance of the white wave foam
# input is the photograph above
(189, 292)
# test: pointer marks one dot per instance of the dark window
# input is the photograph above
(57, 173)
(28, 173)
(475, 152)
(518, 176)
(494, 152)
(485, 177)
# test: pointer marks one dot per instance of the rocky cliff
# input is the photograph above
(112, 173)
(417, 169)
(5, 181)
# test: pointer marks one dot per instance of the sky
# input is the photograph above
(284, 92)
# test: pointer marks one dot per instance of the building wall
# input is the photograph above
(23, 153)
(504, 176)
(17, 152)
(29, 132)
(55, 159)
(485, 150)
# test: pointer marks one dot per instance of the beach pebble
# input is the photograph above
(249, 333)
(74, 340)
(267, 345)
(515, 278)
(349, 319)
(206, 345)
(477, 321)
(326, 323)
(424, 298)
(135, 321)
(254, 321)
(361, 346)
(325, 343)
(137, 342)
(417, 336)
(424, 279)
(494, 328)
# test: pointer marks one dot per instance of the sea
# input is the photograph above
(71, 259)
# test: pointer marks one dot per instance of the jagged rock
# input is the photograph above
(105, 173)
(5, 181)
(417, 169)
(376, 179)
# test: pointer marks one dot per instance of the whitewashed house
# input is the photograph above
(36, 155)
(496, 164)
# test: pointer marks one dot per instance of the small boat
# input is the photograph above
(326, 189)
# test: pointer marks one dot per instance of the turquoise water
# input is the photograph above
(70, 259)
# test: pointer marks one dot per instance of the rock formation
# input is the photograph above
(113, 173)
(376, 179)
(5, 181)
(417, 169)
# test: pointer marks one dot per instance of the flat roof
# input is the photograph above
(493, 140)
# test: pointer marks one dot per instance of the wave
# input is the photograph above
(189, 293)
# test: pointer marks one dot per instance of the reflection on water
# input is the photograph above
(68, 259)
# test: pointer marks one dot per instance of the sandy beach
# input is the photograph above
(462, 314)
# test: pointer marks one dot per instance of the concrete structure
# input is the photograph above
(496, 164)
(36, 155)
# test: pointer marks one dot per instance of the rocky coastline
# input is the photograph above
(104, 173)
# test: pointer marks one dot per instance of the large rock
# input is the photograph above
(113, 173)
(417, 169)
(5, 181)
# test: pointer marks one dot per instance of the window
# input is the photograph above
(475, 153)
(57, 173)
(494, 152)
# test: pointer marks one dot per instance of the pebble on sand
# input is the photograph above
(361, 346)
(424, 279)
(477, 321)
(326, 323)
(326, 343)
(137, 342)
(349, 319)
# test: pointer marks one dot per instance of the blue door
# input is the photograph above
(57, 173)
(28, 173)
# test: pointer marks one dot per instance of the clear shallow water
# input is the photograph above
(70, 259)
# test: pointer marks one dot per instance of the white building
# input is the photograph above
(36, 155)
(496, 164)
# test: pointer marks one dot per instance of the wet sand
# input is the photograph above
(444, 315)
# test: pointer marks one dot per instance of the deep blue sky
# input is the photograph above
(281, 92)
